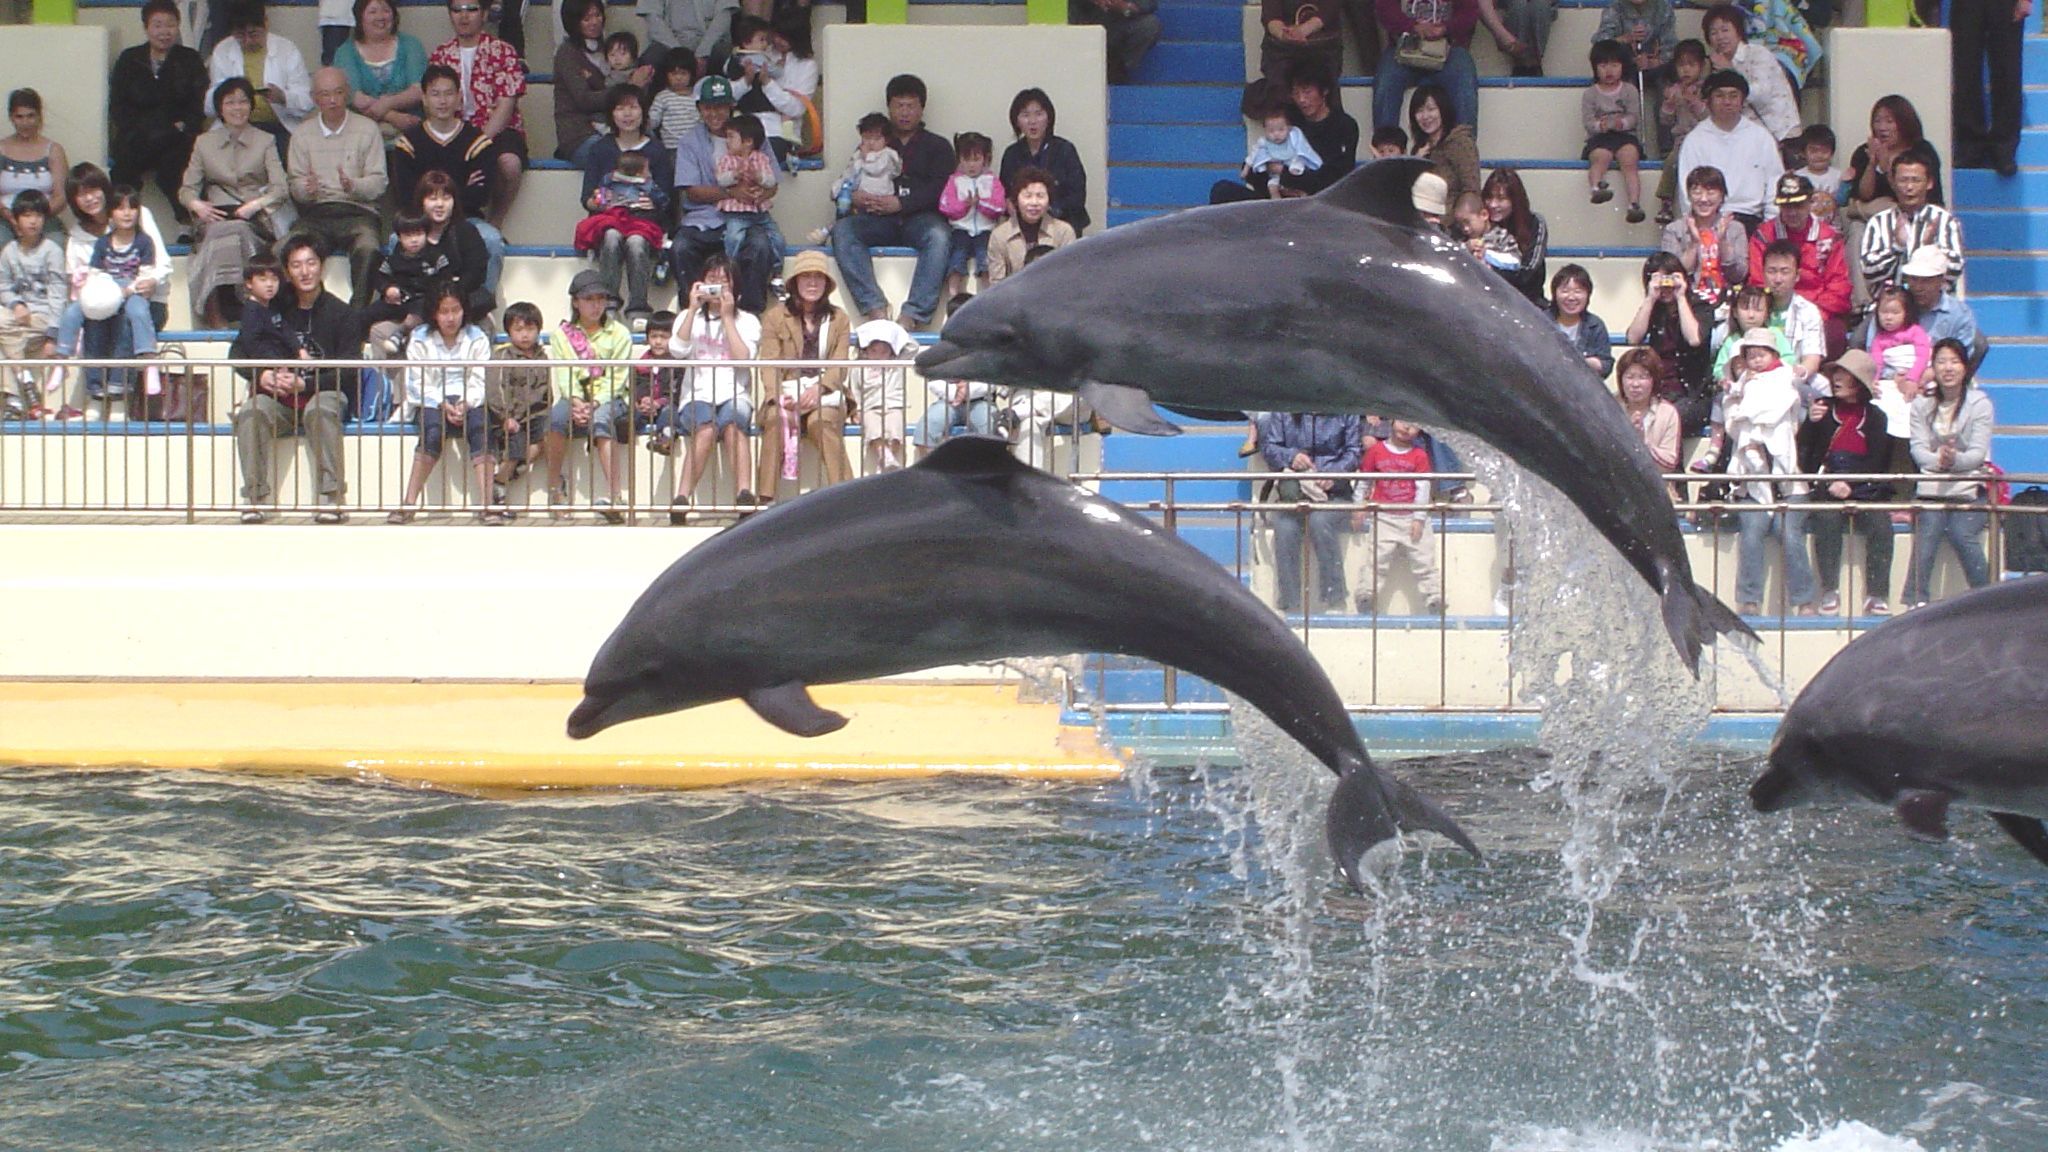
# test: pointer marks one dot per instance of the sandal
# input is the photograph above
(402, 516)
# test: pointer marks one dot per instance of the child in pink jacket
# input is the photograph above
(973, 200)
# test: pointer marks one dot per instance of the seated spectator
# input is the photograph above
(1951, 436)
(1609, 108)
(1441, 29)
(1400, 527)
(1680, 108)
(621, 51)
(1761, 413)
(756, 74)
(1817, 148)
(1655, 420)
(1744, 154)
(156, 101)
(746, 171)
(1032, 118)
(1911, 222)
(701, 232)
(1507, 206)
(1297, 34)
(1985, 40)
(1129, 27)
(1941, 313)
(582, 80)
(92, 197)
(1900, 347)
(238, 197)
(1768, 98)
(1390, 142)
(273, 66)
(34, 291)
(1895, 129)
(975, 201)
(1795, 316)
(968, 405)
(1435, 134)
(1823, 261)
(384, 67)
(1671, 323)
(337, 174)
(490, 100)
(1647, 29)
(448, 396)
(794, 51)
(1749, 310)
(702, 26)
(31, 161)
(1030, 225)
(399, 286)
(1327, 132)
(445, 143)
(1491, 245)
(592, 401)
(909, 218)
(806, 326)
(125, 254)
(1571, 290)
(873, 169)
(518, 396)
(1302, 444)
(1846, 434)
(717, 407)
(458, 250)
(304, 399)
(1520, 29)
(1280, 150)
(1711, 245)
(674, 111)
(624, 191)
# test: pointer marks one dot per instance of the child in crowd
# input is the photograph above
(1609, 108)
(1494, 246)
(874, 166)
(1403, 529)
(448, 396)
(127, 255)
(263, 335)
(673, 114)
(1389, 141)
(973, 200)
(1712, 246)
(1817, 149)
(1680, 109)
(33, 293)
(518, 396)
(621, 57)
(398, 286)
(657, 384)
(1749, 312)
(1281, 151)
(1901, 348)
(747, 173)
(880, 392)
(1760, 416)
(755, 70)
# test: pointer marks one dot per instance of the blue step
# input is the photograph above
(2011, 315)
(1999, 274)
(1121, 216)
(2034, 61)
(2019, 403)
(2021, 453)
(1206, 62)
(2033, 151)
(1174, 143)
(2034, 106)
(1175, 103)
(1202, 22)
(1983, 188)
(1166, 184)
(2009, 231)
(2015, 362)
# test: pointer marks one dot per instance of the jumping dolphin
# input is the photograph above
(971, 556)
(1939, 707)
(1340, 302)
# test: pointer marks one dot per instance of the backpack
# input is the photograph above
(2026, 532)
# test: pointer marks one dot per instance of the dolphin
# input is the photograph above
(1341, 302)
(1938, 707)
(969, 556)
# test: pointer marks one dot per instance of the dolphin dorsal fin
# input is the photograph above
(972, 456)
(1383, 189)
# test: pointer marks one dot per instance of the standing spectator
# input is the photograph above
(880, 393)
(1441, 28)
(155, 104)
(234, 190)
(1848, 435)
(449, 396)
(591, 401)
(1912, 222)
(1984, 43)
(1655, 420)
(30, 161)
(1609, 108)
(1436, 135)
(807, 326)
(1520, 28)
(1680, 109)
(34, 290)
(582, 82)
(624, 229)
(493, 79)
(1030, 226)
(911, 217)
(717, 406)
(1951, 436)
(309, 403)
(336, 167)
(384, 67)
(1744, 153)
(1130, 28)
(1571, 290)
(1297, 34)
(1672, 324)
(1401, 525)
(702, 26)
(1768, 98)
(1943, 315)
(1302, 444)
(1507, 206)
(1823, 258)
(1032, 118)
(1712, 245)
(445, 143)
(274, 68)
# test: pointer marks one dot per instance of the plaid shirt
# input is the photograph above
(498, 72)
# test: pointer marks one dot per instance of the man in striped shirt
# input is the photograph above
(1912, 222)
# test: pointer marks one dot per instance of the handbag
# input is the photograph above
(1412, 51)
(181, 397)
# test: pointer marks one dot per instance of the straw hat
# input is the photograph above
(811, 260)
(1756, 338)
(1857, 363)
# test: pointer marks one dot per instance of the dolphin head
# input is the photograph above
(1011, 334)
(1801, 769)
(641, 672)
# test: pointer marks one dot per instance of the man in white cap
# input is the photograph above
(1429, 193)
(1942, 315)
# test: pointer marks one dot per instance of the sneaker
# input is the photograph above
(1666, 213)
(401, 516)
(603, 507)
(1635, 214)
(1603, 193)
(1877, 606)
(1749, 609)
(1830, 603)
(252, 516)
(330, 514)
(679, 510)
(1434, 606)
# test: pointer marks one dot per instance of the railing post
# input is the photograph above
(1169, 516)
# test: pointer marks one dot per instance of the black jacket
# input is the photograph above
(148, 105)
(329, 329)
(927, 165)
(1815, 436)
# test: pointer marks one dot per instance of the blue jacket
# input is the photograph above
(1333, 443)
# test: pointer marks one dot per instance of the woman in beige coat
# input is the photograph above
(807, 327)
(1030, 225)
(234, 188)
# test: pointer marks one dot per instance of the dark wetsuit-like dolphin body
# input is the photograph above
(1341, 302)
(971, 556)
(1946, 705)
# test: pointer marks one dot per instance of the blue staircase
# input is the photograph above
(2005, 230)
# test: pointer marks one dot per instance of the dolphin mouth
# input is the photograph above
(589, 718)
(936, 356)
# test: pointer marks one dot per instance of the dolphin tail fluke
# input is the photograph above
(2027, 830)
(1368, 809)
(1694, 616)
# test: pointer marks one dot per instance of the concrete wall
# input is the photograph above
(1865, 64)
(68, 67)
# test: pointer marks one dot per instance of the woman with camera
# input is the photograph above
(717, 406)
(1671, 323)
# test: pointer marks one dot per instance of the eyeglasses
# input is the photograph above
(465, 8)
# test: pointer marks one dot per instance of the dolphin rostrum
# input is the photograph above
(1938, 707)
(972, 556)
(1341, 302)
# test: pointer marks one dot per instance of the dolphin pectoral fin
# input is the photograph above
(2027, 830)
(789, 707)
(1129, 409)
(1383, 189)
(1924, 813)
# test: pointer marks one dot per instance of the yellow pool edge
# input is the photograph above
(509, 736)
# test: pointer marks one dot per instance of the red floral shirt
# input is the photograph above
(497, 73)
